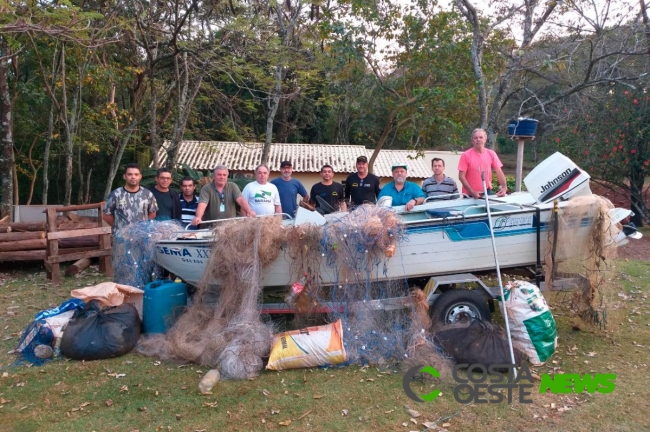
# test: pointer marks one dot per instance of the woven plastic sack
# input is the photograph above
(532, 325)
(47, 328)
(313, 346)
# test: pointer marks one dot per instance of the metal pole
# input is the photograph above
(520, 163)
(496, 261)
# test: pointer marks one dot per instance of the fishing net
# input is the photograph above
(580, 251)
(384, 322)
(228, 334)
(134, 250)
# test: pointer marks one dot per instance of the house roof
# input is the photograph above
(205, 155)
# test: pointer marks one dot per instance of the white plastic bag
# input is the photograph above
(532, 325)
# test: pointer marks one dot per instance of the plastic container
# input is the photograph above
(295, 290)
(523, 127)
(163, 303)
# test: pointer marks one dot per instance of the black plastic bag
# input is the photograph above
(478, 343)
(98, 333)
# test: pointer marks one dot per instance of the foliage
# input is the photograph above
(510, 181)
(611, 140)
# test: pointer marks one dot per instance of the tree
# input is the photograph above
(610, 139)
(584, 58)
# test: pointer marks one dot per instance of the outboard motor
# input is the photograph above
(557, 177)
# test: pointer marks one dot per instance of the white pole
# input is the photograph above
(496, 261)
(520, 163)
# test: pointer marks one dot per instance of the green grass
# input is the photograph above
(163, 396)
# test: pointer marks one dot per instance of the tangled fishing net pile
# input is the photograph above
(377, 329)
(134, 250)
(581, 242)
(229, 334)
(354, 249)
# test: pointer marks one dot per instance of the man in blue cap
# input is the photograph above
(404, 193)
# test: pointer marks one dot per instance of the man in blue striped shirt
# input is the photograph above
(439, 184)
(189, 202)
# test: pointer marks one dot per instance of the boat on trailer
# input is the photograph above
(445, 239)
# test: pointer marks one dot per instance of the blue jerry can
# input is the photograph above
(164, 301)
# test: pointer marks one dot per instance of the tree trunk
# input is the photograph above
(46, 155)
(186, 95)
(636, 198)
(50, 132)
(117, 155)
(382, 139)
(153, 128)
(274, 101)
(6, 135)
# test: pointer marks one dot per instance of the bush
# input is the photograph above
(510, 181)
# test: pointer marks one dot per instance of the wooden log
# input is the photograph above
(77, 256)
(69, 251)
(73, 216)
(78, 267)
(52, 253)
(27, 226)
(32, 255)
(15, 236)
(77, 233)
(23, 245)
(77, 242)
(5, 229)
(77, 207)
(67, 226)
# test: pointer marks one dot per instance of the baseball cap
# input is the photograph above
(362, 159)
(399, 165)
(285, 164)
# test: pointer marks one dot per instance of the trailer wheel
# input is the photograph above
(457, 305)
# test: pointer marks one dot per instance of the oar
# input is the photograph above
(496, 261)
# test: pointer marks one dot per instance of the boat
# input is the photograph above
(443, 237)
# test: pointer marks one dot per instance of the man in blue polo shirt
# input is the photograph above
(404, 193)
(289, 189)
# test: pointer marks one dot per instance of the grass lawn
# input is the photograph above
(137, 393)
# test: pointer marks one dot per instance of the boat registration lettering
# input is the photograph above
(198, 253)
(504, 222)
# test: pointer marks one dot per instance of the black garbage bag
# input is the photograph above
(96, 333)
(479, 343)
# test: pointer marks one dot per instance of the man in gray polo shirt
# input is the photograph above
(440, 185)
(218, 198)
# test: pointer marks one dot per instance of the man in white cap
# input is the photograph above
(404, 193)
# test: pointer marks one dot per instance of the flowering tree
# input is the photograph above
(611, 140)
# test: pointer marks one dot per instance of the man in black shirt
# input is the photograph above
(169, 206)
(361, 187)
(328, 190)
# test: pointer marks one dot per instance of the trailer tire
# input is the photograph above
(456, 305)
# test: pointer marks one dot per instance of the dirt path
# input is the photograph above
(637, 249)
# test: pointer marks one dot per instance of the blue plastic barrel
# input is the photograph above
(524, 127)
(163, 303)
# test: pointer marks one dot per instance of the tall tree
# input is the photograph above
(524, 75)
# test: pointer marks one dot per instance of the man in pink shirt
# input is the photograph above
(480, 159)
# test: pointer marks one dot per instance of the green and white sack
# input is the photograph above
(532, 325)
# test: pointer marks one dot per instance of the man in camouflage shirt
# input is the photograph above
(130, 203)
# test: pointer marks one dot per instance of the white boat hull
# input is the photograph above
(442, 237)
